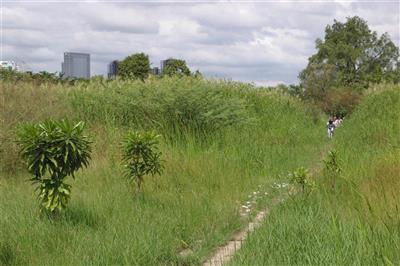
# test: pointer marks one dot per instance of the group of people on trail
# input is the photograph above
(333, 123)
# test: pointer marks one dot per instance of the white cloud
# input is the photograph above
(266, 43)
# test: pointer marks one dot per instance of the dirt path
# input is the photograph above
(225, 253)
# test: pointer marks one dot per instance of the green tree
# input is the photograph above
(54, 150)
(136, 66)
(176, 67)
(351, 55)
(141, 156)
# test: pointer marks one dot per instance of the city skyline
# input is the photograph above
(264, 43)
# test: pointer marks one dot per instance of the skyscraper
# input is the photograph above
(76, 65)
(164, 63)
(155, 71)
(112, 69)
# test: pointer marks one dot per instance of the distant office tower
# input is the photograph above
(113, 69)
(155, 71)
(76, 65)
(164, 63)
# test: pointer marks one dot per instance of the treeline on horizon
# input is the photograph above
(348, 60)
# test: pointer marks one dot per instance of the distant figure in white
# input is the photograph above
(331, 127)
(332, 124)
(337, 121)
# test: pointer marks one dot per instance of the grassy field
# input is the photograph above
(356, 222)
(221, 141)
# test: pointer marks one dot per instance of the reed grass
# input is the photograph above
(221, 140)
(357, 222)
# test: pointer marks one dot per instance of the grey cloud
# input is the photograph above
(125, 20)
(263, 42)
(24, 38)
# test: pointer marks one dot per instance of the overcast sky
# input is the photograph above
(255, 41)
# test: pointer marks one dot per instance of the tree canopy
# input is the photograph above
(176, 67)
(135, 66)
(351, 55)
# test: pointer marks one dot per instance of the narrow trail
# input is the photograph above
(225, 253)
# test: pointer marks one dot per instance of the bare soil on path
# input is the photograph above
(224, 253)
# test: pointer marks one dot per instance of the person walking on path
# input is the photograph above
(331, 127)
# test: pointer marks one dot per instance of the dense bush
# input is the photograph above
(171, 105)
(54, 150)
(135, 66)
(340, 101)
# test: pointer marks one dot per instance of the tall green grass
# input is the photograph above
(356, 222)
(222, 140)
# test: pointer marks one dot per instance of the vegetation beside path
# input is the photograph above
(353, 220)
(220, 141)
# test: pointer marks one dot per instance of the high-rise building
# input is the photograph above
(155, 71)
(76, 65)
(112, 69)
(164, 63)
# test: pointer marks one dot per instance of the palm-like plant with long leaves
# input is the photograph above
(54, 150)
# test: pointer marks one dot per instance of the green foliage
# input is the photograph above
(340, 102)
(300, 177)
(173, 106)
(12, 75)
(141, 155)
(136, 66)
(41, 78)
(176, 67)
(350, 56)
(332, 163)
(357, 223)
(317, 79)
(196, 200)
(332, 166)
(54, 194)
(54, 150)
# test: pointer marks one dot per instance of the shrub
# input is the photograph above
(300, 177)
(341, 101)
(54, 150)
(332, 166)
(141, 155)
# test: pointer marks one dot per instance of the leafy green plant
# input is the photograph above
(141, 155)
(332, 166)
(135, 66)
(300, 177)
(176, 67)
(54, 150)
